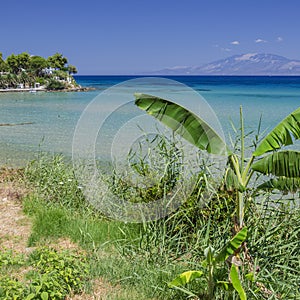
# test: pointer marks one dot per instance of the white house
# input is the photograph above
(49, 71)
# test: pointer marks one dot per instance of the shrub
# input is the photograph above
(51, 275)
(54, 85)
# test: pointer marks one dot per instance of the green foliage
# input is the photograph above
(3, 65)
(11, 289)
(54, 85)
(8, 259)
(240, 170)
(282, 184)
(182, 122)
(37, 64)
(281, 135)
(185, 278)
(273, 241)
(72, 69)
(157, 162)
(232, 245)
(55, 181)
(140, 259)
(211, 266)
(26, 69)
(283, 163)
(236, 283)
(41, 80)
(57, 273)
(51, 275)
(57, 61)
(18, 62)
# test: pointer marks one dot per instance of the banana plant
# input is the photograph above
(266, 159)
(213, 260)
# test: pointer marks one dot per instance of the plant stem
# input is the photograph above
(241, 209)
(211, 282)
(242, 139)
(242, 171)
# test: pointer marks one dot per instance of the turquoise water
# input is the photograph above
(54, 115)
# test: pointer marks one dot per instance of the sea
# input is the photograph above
(52, 122)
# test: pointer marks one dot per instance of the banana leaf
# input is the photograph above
(232, 245)
(281, 184)
(182, 122)
(185, 278)
(235, 280)
(231, 182)
(281, 135)
(283, 163)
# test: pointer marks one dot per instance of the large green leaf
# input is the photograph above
(185, 278)
(182, 122)
(281, 184)
(283, 163)
(236, 283)
(232, 245)
(281, 135)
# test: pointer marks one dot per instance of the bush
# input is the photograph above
(51, 275)
(55, 85)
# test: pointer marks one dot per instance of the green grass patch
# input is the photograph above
(138, 260)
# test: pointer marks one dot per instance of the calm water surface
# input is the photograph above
(54, 115)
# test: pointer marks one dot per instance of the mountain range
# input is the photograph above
(244, 64)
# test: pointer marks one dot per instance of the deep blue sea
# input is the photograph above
(54, 116)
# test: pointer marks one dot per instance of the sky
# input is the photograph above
(136, 36)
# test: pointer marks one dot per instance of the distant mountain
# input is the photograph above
(244, 64)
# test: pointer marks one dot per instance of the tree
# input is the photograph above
(24, 61)
(57, 61)
(18, 63)
(284, 164)
(13, 63)
(3, 65)
(11, 80)
(37, 64)
(72, 69)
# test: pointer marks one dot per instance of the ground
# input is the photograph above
(15, 229)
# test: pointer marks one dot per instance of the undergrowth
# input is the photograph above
(139, 260)
(45, 274)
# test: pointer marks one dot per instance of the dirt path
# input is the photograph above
(15, 229)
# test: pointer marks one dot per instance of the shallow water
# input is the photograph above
(54, 115)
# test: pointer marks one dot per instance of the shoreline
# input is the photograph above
(34, 90)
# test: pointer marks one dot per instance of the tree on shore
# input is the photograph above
(58, 61)
(3, 65)
(37, 65)
(18, 63)
(72, 69)
(26, 70)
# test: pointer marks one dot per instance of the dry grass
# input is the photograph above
(15, 228)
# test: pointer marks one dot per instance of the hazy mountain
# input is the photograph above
(244, 64)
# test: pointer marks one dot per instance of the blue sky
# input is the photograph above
(131, 36)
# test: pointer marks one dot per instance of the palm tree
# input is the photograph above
(24, 78)
(2, 82)
(11, 80)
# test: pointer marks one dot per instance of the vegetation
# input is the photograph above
(284, 164)
(216, 255)
(51, 274)
(53, 72)
(240, 170)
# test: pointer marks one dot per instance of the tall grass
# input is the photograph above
(141, 259)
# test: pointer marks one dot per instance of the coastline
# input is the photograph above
(33, 90)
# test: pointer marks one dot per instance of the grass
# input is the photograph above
(135, 261)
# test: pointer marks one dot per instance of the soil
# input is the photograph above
(15, 229)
